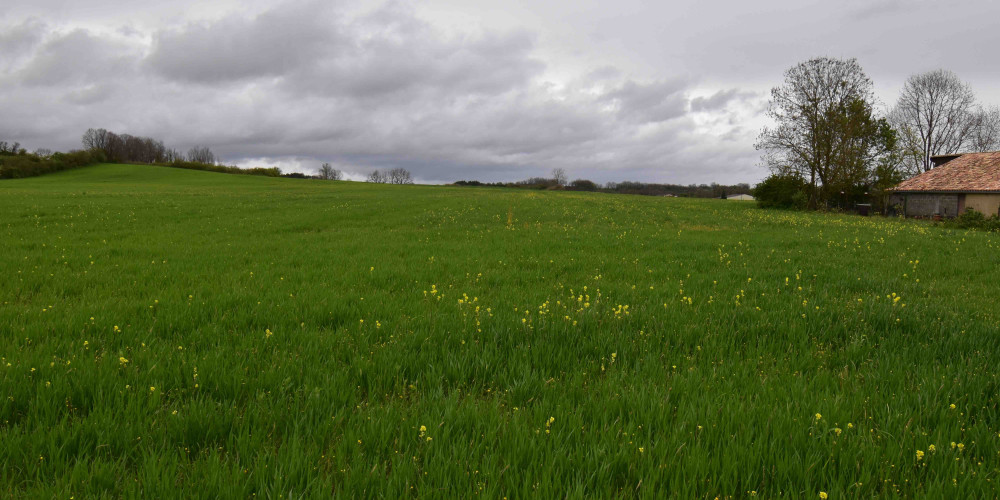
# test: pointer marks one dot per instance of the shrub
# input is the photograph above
(222, 169)
(782, 191)
(583, 185)
(974, 219)
(30, 165)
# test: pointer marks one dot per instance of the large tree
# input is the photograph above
(936, 114)
(825, 128)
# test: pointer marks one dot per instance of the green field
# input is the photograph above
(173, 333)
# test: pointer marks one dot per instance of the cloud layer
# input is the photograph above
(487, 90)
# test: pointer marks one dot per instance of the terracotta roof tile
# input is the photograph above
(970, 172)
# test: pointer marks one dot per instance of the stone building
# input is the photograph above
(957, 182)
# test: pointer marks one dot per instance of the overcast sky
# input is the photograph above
(667, 91)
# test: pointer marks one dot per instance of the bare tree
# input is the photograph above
(329, 173)
(43, 152)
(201, 154)
(326, 172)
(986, 136)
(99, 140)
(377, 177)
(9, 149)
(172, 155)
(400, 176)
(559, 175)
(937, 112)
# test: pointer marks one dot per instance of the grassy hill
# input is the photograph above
(174, 333)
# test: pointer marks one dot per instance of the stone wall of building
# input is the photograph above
(927, 205)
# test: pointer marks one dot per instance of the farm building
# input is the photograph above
(740, 197)
(956, 183)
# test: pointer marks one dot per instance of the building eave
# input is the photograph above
(944, 191)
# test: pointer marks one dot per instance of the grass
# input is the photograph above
(172, 333)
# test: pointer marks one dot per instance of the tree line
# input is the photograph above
(831, 147)
(558, 181)
(126, 148)
(394, 176)
(102, 146)
(16, 162)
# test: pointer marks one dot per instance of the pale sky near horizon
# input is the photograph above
(493, 90)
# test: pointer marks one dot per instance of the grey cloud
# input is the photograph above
(399, 58)
(720, 99)
(19, 39)
(77, 56)
(237, 48)
(877, 9)
(298, 85)
(91, 94)
(602, 74)
(652, 102)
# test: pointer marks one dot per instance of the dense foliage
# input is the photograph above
(174, 333)
(973, 219)
(223, 169)
(29, 165)
(826, 130)
(782, 191)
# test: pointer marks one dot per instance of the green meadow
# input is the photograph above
(181, 334)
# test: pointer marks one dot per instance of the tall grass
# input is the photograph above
(175, 333)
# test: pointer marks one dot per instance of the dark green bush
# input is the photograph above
(30, 165)
(974, 219)
(782, 191)
(223, 169)
(583, 185)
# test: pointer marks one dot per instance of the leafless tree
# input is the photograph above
(936, 112)
(329, 173)
(43, 152)
(377, 177)
(10, 149)
(125, 147)
(559, 175)
(172, 155)
(400, 176)
(986, 136)
(201, 154)
(326, 172)
(97, 140)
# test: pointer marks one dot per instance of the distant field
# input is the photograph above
(174, 333)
